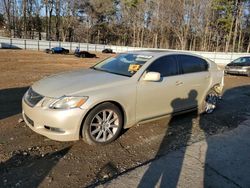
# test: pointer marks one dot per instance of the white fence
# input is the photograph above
(28, 44)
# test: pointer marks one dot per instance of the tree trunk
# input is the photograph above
(229, 36)
(25, 18)
(46, 19)
(98, 36)
(238, 13)
(240, 40)
(13, 19)
(156, 40)
(142, 36)
(57, 20)
(51, 2)
(134, 34)
(248, 47)
(138, 37)
(217, 43)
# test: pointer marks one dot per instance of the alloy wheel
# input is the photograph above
(211, 101)
(104, 125)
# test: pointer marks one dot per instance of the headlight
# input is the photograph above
(68, 102)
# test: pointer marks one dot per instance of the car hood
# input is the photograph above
(76, 83)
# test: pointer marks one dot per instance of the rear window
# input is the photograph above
(192, 64)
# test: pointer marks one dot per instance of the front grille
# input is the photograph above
(30, 121)
(32, 98)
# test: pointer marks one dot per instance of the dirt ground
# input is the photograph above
(30, 160)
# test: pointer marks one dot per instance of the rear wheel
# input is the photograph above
(103, 124)
(210, 102)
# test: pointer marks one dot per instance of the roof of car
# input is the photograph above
(159, 52)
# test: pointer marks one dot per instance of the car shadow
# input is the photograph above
(170, 173)
(179, 134)
(30, 170)
(226, 160)
(10, 101)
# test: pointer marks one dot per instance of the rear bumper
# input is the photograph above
(60, 125)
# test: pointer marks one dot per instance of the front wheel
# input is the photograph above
(103, 124)
(210, 102)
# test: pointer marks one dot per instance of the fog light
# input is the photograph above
(58, 130)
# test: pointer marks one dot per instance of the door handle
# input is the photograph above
(178, 83)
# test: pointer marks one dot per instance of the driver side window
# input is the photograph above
(166, 66)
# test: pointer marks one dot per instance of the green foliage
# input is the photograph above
(223, 10)
(103, 10)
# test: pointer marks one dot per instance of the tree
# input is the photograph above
(211, 25)
(2, 21)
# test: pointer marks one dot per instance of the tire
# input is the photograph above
(82, 55)
(102, 129)
(209, 103)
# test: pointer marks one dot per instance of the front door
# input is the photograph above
(163, 97)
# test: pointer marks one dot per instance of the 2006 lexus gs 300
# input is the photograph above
(134, 87)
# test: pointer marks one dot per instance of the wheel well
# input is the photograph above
(113, 102)
(217, 88)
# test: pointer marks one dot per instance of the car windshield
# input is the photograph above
(242, 60)
(123, 64)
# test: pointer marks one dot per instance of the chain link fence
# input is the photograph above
(40, 45)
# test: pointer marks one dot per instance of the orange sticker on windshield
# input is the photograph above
(134, 67)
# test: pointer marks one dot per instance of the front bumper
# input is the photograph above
(59, 125)
(237, 71)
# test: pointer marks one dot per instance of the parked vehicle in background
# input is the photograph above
(47, 50)
(57, 50)
(85, 54)
(239, 66)
(97, 103)
(107, 51)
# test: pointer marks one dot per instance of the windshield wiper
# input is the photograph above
(118, 73)
(96, 69)
(109, 72)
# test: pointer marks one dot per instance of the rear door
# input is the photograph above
(196, 78)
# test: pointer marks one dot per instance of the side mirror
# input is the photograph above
(152, 76)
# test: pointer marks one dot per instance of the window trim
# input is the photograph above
(176, 61)
(181, 68)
